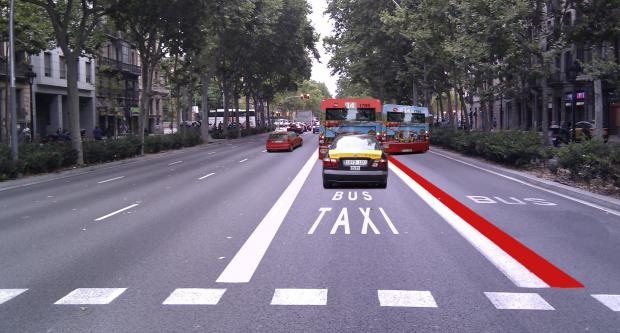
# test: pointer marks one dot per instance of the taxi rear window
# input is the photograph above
(356, 143)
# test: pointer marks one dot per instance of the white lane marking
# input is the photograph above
(116, 212)
(518, 301)
(264, 151)
(583, 202)
(299, 297)
(243, 160)
(241, 268)
(8, 294)
(110, 180)
(194, 296)
(206, 176)
(406, 298)
(91, 296)
(211, 153)
(610, 301)
(510, 267)
(388, 221)
(173, 163)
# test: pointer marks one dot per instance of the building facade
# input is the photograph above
(23, 74)
(50, 112)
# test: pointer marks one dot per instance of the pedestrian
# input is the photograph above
(97, 133)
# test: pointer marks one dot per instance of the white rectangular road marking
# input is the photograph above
(241, 268)
(243, 160)
(91, 296)
(110, 180)
(518, 301)
(8, 294)
(406, 298)
(173, 163)
(206, 176)
(264, 151)
(511, 268)
(194, 296)
(610, 301)
(583, 202)
(211, 153)
(116, 212)
(299, 297)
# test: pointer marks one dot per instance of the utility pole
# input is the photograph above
(12, 101)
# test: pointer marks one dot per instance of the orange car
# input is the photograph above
(283, 141)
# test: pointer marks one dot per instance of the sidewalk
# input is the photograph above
(526, 177)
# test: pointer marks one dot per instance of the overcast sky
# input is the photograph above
(320, 71)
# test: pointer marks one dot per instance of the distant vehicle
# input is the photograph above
(405, 129)
(348, 115)
(316, 129)
(278, 141)
(293, 127)
(355, 158)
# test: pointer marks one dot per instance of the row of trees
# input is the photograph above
(411, 50)
(251, 48)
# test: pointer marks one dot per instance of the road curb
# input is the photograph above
(601, 200)
(76, 171)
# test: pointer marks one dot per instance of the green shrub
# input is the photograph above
(588, 160)
(508, 147)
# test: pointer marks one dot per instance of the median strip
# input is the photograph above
(116, 212)
(520, 264)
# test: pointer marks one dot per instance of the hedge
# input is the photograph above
(590, 160)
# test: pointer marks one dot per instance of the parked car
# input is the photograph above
(278, 141)
(355, 158)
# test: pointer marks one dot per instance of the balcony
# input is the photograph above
(120, 66)
(20, 70)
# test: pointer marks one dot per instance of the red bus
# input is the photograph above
(348, 115)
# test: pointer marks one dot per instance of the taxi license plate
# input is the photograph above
(356, 168)
(354, 162)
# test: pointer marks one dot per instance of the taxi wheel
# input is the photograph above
(326, 184)
(382, 185)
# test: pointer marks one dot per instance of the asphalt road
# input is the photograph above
(229, 238)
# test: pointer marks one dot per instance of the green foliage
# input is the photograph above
(185, 138)
(507, 147)
(36, 158)
(33, 30)
(590, 160)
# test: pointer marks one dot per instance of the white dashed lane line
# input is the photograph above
(206, 176)
(211, 153)
(194, 296)
(406, 298)
(91, 296)
(173, 163)
(110, 180)
(299, 297)
(518, 301)
(8, 294)
(243, 160)
(116, 212)
(610, 301)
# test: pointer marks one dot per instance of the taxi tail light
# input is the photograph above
(380, 163)
(330, 162)
(321, 139)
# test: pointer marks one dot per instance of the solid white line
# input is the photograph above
(116, 212)
(91, 296)
(406, 298)
(173, 163)
(510, 267)
(109, 180)
(194, 296)
(610, 301)
(299, 297)
(207, 176)
(243, 160)
(518, 301)
(242, 266)
(583, 202)
(8, 294)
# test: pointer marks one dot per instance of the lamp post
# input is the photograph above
(33, 117)
(12, 101)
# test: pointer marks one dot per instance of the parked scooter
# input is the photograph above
(559, 135)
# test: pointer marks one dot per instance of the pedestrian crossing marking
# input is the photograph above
(194, 296)
(8, 294)
(91, 296)
(299, 297)
(518, 301)
(406, 298)
(610, 301)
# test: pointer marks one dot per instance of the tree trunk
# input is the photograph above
(268, 115)
(545, 110)
(204, 129)
(226, 101)
(598, 109)
(73, 104)
(415, 93)
(450, 113)
(463, 107)
(441, 112)
(247, 113)
(238, 125)
(145, 101)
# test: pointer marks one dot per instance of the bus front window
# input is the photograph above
(398, 117)
(351, 114)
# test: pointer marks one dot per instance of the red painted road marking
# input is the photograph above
(538, 265)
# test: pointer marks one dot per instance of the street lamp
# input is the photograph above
(33, 117)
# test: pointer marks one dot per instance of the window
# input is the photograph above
(47, 58)
(62, 67)
(88, 72)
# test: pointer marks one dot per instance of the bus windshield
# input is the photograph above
(401, 117)
(351, 114)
